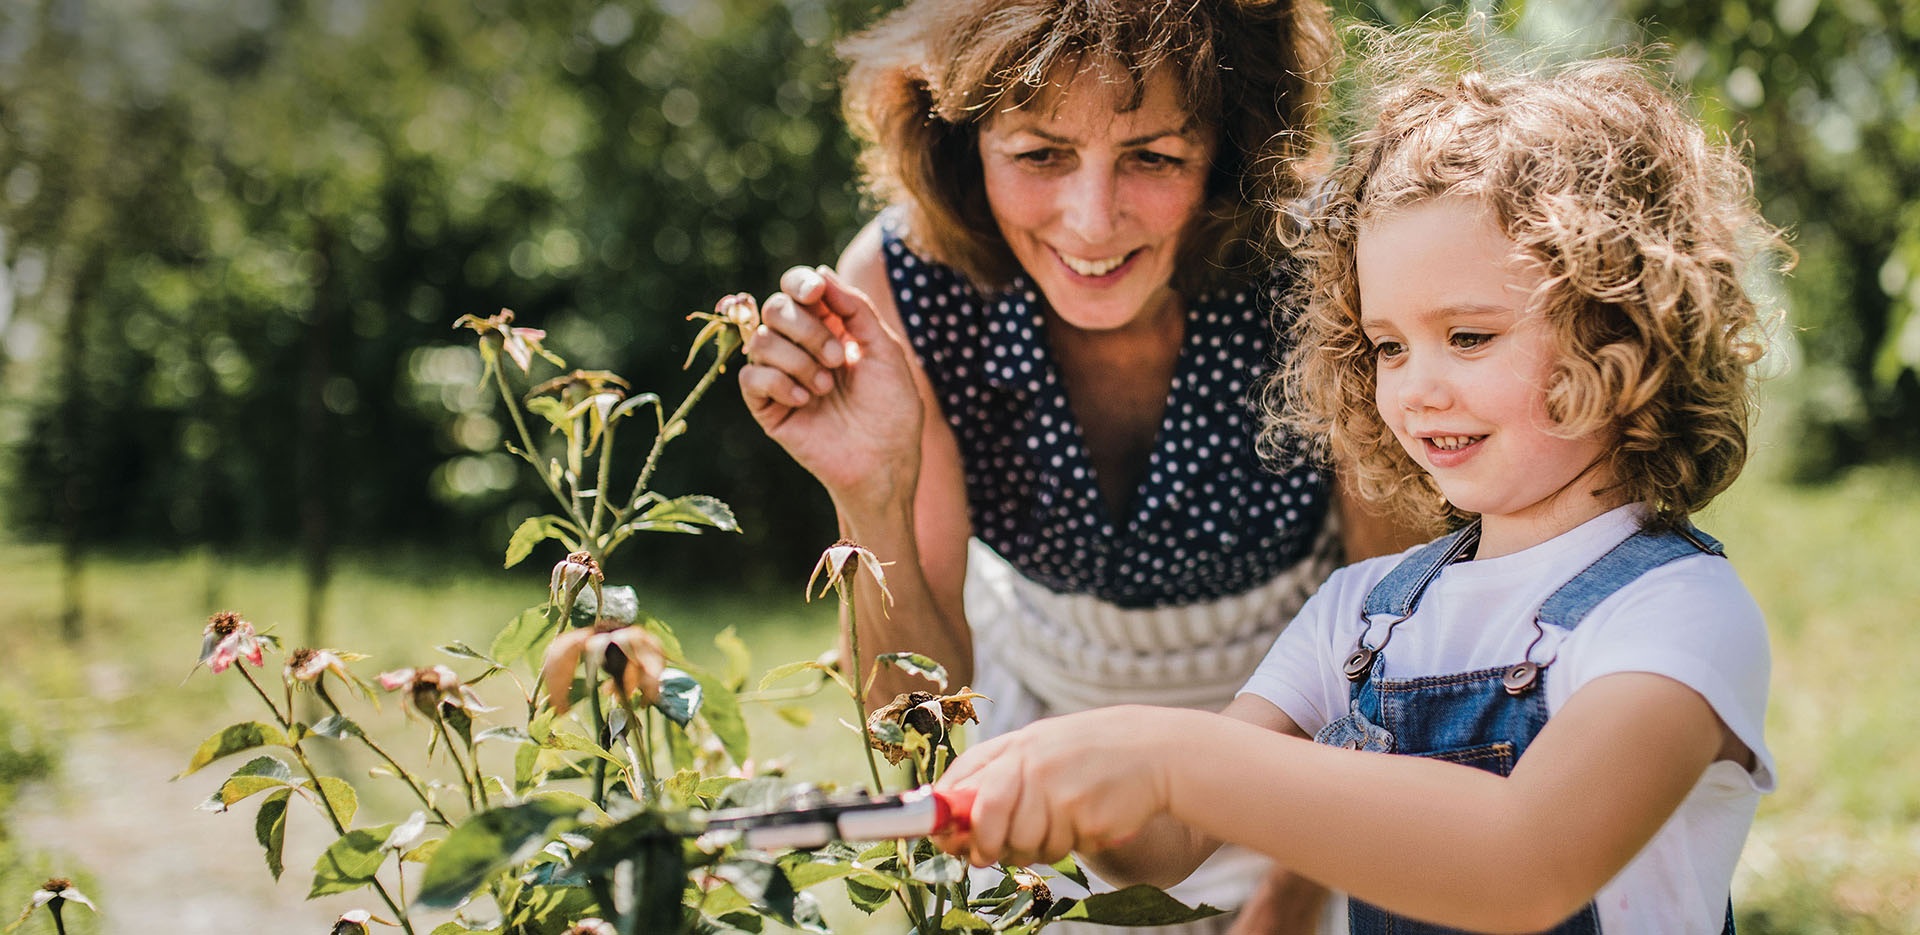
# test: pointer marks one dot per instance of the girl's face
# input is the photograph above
(1094, 200)
(1463, 369)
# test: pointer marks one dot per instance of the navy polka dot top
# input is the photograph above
(1209, 520)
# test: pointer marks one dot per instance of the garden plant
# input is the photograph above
(621, 746)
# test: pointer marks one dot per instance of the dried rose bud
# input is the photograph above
(53, 894)
(308, 665)
(570, 575)
(729, 325)
(354, 922)
(519, 343)
(841, 561)
(228, 637)
(431, 688)
(930, 714)
(1042, 894)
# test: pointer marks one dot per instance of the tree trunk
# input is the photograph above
(311, 477)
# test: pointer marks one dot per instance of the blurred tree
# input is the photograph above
(1829, 96)
(286, 204)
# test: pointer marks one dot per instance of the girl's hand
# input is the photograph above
(829, 381)
(1079, 782)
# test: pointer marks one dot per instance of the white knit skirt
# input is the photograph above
(1039, 653)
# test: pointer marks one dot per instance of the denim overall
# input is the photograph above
(1483, 719)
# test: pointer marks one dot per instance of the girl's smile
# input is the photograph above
(1463, 367)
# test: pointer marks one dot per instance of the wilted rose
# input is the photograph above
(630, 655)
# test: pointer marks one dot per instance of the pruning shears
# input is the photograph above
(914, 814)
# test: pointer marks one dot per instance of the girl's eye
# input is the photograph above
(1388, 350)
(1468, 340)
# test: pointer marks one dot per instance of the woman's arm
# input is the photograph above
(1429, 839)
(865, 423)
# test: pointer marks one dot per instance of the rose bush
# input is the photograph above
(620, 743)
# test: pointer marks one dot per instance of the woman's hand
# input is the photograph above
(1086, 781)
(832, 383)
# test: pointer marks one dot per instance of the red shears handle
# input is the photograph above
(953, 811)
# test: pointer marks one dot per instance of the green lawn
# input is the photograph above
(1836, 849)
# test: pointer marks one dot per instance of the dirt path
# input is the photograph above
(162, 866)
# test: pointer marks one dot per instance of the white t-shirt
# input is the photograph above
(1690, 620)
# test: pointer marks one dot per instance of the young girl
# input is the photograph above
(1525, 311)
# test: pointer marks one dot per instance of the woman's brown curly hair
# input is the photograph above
(1644, 226)
(922, 82)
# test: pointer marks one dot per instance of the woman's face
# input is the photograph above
(1094, 200)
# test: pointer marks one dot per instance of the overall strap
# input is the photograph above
(1399, 592)
(1634, 556)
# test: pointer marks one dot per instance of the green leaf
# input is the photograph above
(691, 510)
(764, 885)
(650, 861)
(865, 896)
(714, 787)
(680, 696)
(270, 829)
(350, 862)
(915, 664)
(504, 732)
(463, 651)
(669, 643)
(722, 714)
(259, 775)
(455, 928)
(1070, 868)
(739, 658)
(423, 853)
(337, 727)
(944, 868)
(234, 739)
(779, 672)
(554, 411)
(339, 793)
(739, 920)
(960, 920)
(548, 908)
(634, 402)
(1139, 904)
(1012, 909)
(574, 800)
(531, 532)
(488, 843)
(622, 604)
(522, 634)
(797, 715)
(566, 740)
(816, 873)
(889, 732)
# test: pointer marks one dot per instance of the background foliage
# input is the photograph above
(232, 235)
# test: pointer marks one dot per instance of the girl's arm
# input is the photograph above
(867, 426)
(1433, 840)
(1167, 851)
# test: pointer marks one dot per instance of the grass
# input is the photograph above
(1835, 849)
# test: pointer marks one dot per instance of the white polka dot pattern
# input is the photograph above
(1209, 520)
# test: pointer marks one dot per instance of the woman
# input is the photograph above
(1026, 384)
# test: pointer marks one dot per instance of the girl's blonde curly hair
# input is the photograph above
(1644, 226)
